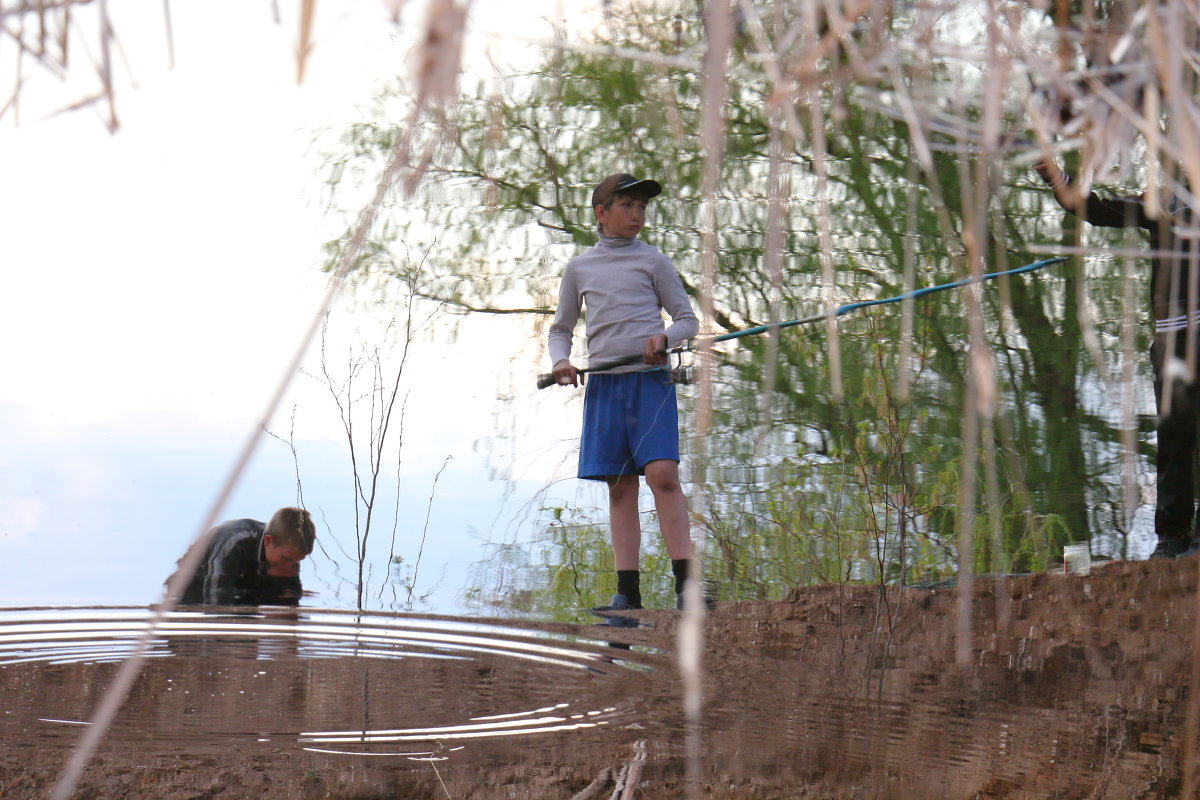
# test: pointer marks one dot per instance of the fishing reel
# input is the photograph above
(682, 375)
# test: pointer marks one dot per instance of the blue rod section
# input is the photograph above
(863, 304)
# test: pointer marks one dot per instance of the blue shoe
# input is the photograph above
(619, 603)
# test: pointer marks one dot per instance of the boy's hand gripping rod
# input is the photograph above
(546, 379)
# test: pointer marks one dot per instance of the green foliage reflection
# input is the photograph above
(806, 483)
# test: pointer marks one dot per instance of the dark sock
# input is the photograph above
(629, 583)
(679, 566)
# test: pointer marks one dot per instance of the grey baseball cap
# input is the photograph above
(623, 182)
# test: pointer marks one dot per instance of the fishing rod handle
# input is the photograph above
(547, 379)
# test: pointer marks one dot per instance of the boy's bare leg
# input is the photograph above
(662, 476)
(623, 520)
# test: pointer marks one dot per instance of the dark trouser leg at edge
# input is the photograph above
(1175, 519)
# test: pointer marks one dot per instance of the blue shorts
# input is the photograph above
(629, 420)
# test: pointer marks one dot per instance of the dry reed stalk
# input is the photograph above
(593, 788)
(999, 562)
(106, 77)
(170, 31)
(670, 104)
(784, 130)
(908, 304)
(920, 78)
(718, 18)
(1128, 394)
(491, 143)
(779, 185)
(981, 379)
(924, 151)
(966, 525)
(1167, 69)
(439, 54)
(54, 20)
(824, 234)
(833, 36)
(633, 770)
(114, 697)
(308, 9)
(969, 436)
(784, 97)
(394, 7)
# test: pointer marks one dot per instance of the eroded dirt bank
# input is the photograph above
(1076, 687)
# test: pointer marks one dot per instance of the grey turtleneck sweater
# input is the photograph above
(624, 285)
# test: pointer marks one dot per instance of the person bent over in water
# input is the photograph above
(247, 563)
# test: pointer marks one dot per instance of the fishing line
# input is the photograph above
(846, 309)
(657, 412)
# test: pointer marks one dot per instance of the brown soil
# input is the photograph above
(1074, 687)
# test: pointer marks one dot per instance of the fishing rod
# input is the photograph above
(546, 379)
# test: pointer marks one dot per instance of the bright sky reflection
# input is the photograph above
(157, 281)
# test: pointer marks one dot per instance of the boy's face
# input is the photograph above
(625, 217)
(283, 560)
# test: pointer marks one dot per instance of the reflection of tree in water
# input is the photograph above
(896, 133)
(905, 126)
(973, 431)
(566, 567)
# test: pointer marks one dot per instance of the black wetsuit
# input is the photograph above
(234, 571)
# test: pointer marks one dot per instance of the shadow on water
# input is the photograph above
(1073, 690)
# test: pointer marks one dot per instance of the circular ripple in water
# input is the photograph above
(324, 681)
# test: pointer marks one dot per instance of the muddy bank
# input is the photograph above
(1075, 688)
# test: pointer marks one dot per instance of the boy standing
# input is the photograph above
(630, 420)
